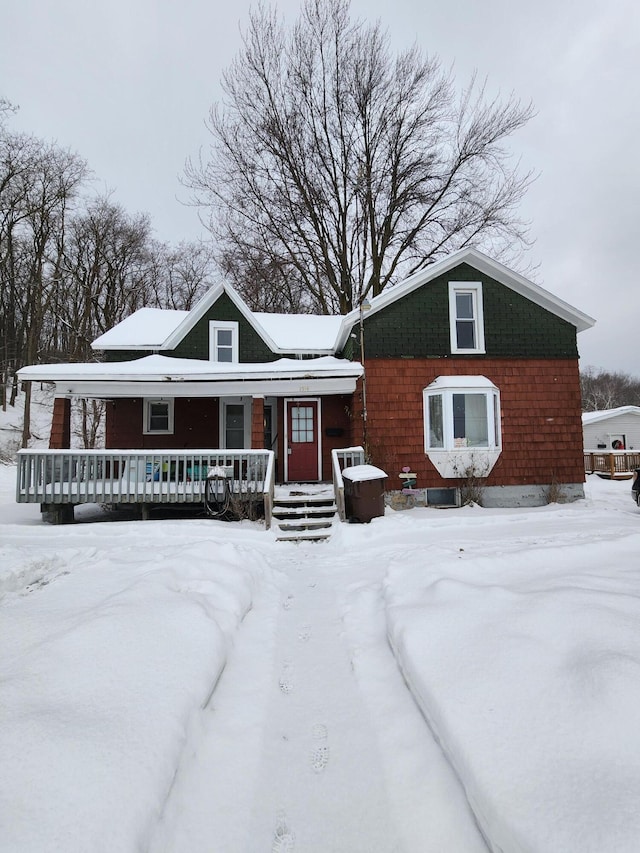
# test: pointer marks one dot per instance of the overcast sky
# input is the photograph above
(128, 84)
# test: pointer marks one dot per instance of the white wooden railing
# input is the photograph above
(612, 463)
(344, 457)
(133, 476)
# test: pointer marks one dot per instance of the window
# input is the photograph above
(462, 412)
(470, 420)
(235, 423)
(466, 317)
(462, 425)
(268, 425)
(223, 341)
(234, 426)
(302, 424)
(158, 416)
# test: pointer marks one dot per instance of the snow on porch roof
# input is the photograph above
(161, 368)
(150, 328)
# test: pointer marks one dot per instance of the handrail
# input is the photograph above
(343, 457)
(134, 476)
(268, 489)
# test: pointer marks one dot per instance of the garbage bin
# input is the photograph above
(363, 492)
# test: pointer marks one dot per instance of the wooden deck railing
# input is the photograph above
(131, 476)
(612, 463)
(344, 457)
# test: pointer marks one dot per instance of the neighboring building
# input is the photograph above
(612, 429)
(471, 369)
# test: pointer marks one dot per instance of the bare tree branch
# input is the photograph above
(335, 168)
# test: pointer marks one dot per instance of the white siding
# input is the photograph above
(602, 432)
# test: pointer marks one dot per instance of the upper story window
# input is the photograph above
(158, 416)
(466, 317)
(223, 341)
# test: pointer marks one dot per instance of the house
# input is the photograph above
(612, 429)
(465, 369)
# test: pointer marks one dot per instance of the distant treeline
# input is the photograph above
(73, 264)
(603, 390)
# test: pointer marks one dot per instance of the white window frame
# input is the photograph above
(216, 326)
(474, 288)
(451, 459)
(246, 403)
(146, 425)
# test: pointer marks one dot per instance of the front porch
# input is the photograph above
(59, 480)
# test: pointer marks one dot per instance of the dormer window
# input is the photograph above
(466, 317)
(223, 341)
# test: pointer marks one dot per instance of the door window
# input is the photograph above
(301, 424)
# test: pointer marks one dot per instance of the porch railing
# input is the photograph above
(132, 476)
(613, 463)
(344, 457)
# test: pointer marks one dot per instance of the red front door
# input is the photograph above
(302, 441)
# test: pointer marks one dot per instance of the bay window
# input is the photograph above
(461, 417)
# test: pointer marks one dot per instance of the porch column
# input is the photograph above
(359, 424)
(257, 424)
(60, 438)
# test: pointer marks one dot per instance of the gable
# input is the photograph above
(417, 324)
(195, 344)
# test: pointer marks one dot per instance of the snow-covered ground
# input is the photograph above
(438, 680)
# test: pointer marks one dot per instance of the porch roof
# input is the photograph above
(177, 377)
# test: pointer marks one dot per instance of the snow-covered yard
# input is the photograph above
(195, 686)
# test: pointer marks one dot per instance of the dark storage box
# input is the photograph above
(363, 492)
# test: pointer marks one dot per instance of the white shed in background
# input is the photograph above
(612, 429)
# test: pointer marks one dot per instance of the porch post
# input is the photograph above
(257, 423)
(60, 438)
(359, 423)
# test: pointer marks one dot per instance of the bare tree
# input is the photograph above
(181, 274)
(335, 167)
(105, 271)
(38, 181)
(602, 390)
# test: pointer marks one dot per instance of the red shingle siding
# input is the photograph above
(541, 423)
(60, 438)
(335, 416)
(257, 423)
(196, 426)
